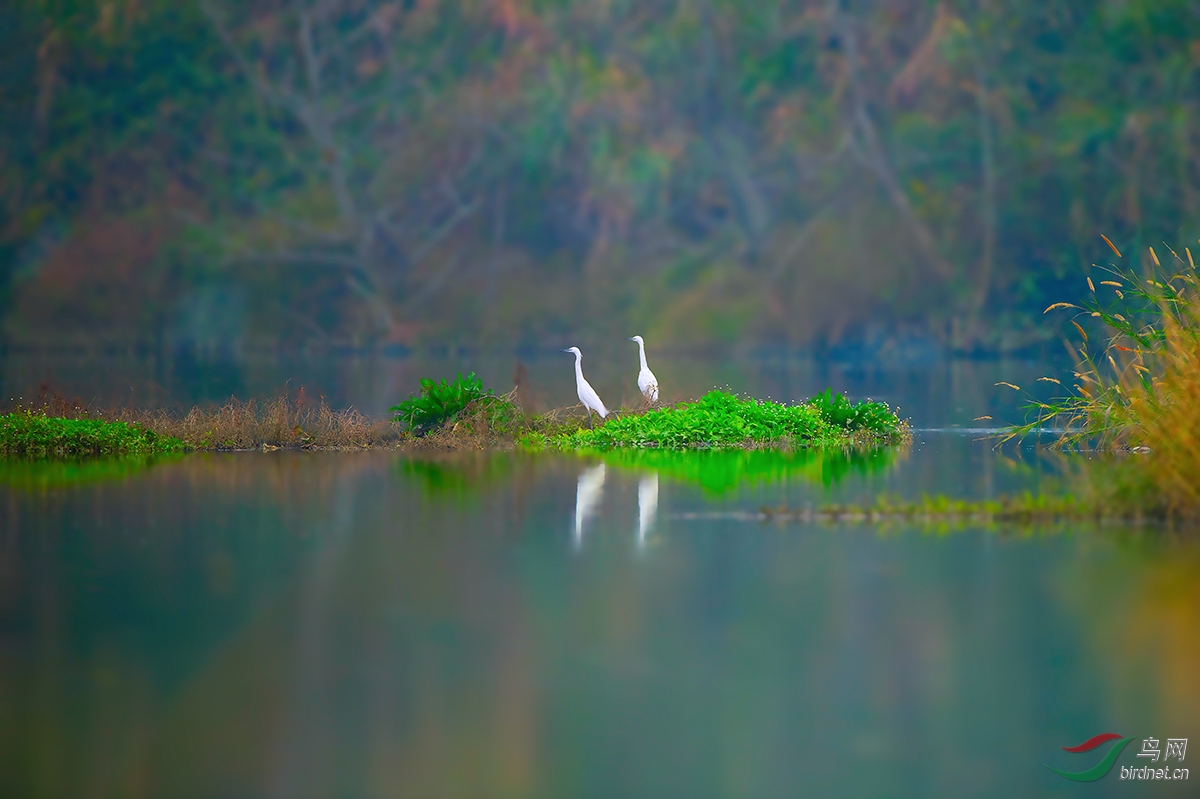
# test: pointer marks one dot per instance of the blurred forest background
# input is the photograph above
(284, 174)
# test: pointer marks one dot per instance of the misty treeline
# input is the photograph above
(288, 172)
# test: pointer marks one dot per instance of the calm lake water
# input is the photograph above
(372, 624)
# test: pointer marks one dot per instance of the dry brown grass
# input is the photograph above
(497, 426)
(471, 431)
(279, 422)
(1142, 390)
(282, 422)
(1167, 408)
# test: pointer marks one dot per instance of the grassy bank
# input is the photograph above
(28, 434)
(449, 416)
(54, 426)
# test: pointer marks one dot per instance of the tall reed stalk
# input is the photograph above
(1136, 384)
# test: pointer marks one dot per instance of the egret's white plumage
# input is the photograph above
(587, 394)
(587, 495)
(647, 382)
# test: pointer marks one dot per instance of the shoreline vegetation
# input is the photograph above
(53, 426)
(34, 435)
(444, 416)
(1136, 385)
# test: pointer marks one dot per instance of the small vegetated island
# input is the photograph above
(721, 419)
(461, 413)
(446, 415)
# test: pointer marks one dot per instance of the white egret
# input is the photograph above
(587, 394)
(647, 382)
(587, 494)
(647, 505)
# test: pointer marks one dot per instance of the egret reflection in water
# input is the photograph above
(587, 494)
(647, 505)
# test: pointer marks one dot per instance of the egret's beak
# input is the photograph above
(564, 350)
(632, 339)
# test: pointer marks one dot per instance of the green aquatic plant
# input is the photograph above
(30, 434)
(720, 420)
(875, 417)
(439, 402)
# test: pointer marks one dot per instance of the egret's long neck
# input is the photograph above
(578, 369)
(642, 355)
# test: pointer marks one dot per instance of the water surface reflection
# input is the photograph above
(647, 505)
(587, 495)
(331, 624)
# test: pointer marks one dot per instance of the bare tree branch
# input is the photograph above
(296, 257)
(461, 213)
(987, 169)
(874, 154)
(305, 37)
(264, 87)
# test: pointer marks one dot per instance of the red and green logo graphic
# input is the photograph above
(1100, 769)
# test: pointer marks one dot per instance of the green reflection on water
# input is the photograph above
(38, 475)
(719, 471)
(715, 471)
(456, 476)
